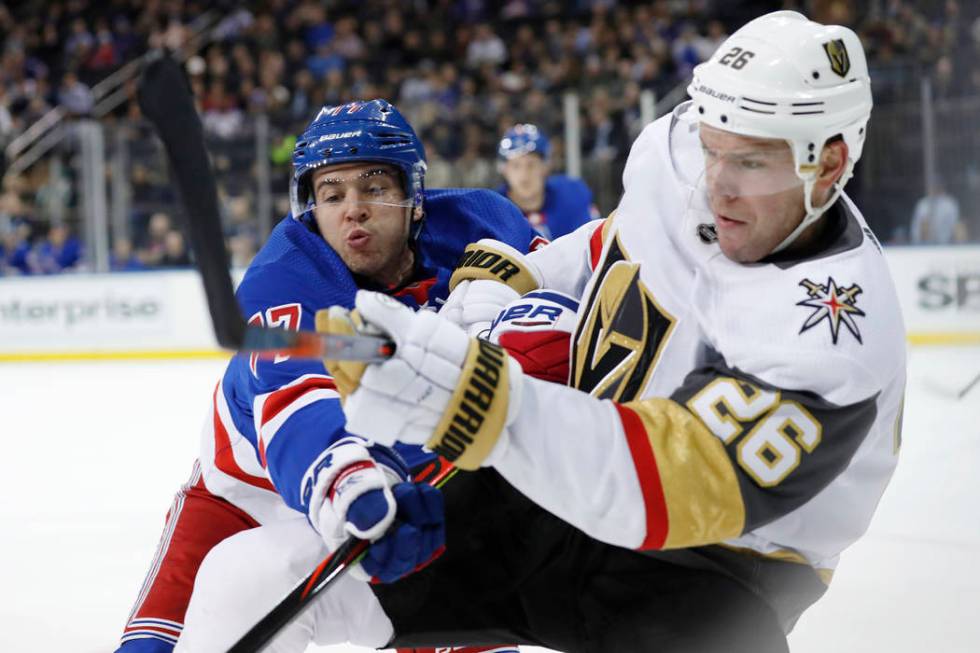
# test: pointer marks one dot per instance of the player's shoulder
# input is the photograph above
(648, 152)
(295, 266)
(472, 200)
(564, 184)
(474, 213)
(830, 323)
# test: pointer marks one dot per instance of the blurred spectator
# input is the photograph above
(80, 41)
(123, 257)
(151, 251)
(15, 245)
(6, 120)
(57, 252)
(241, 248)
(74, 96)
(175, 254)
(222, 115)
(936, 219)
(104, 55)
(706, 45)
(486, 47)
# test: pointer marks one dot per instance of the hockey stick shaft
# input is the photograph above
(969, 386)
(326, 573)
(166, 100)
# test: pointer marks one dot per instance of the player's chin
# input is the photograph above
(735, 248)
(363, 263)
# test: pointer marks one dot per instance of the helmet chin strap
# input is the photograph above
(813, 213)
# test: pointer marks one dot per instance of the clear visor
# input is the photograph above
(728, 166)
(336, 191)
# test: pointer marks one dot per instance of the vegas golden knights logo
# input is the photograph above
(618, 343)
(840, 62)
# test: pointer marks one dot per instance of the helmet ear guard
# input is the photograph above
(785, 77)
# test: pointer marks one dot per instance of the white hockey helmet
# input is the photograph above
(785, 76)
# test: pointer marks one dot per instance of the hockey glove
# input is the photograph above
(443, 389)
(536, 330)
(488, 276)
(359, 488)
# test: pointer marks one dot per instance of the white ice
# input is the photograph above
(94, 451)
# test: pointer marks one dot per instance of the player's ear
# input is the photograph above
(833, 161)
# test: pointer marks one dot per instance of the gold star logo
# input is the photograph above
(834, 304)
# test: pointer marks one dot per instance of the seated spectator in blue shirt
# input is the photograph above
(123, 258)
(59, 251)
(14, 248)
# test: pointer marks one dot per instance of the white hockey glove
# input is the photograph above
(489, 275)
(536, 330)
(452, 393)
(346, 471)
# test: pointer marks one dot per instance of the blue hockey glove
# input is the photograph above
(417, 538)
(357, 488)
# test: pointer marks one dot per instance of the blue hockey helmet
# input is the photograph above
(523, 139)
(358, 131)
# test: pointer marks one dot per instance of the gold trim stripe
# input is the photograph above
(83, 356)
(785, 555)
(944, 338)
(704, 502)
(477, 411)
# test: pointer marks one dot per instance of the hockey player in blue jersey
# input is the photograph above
(554, 204)
(274, 446)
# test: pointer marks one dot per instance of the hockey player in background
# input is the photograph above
(554, 204)
(274, 446)
(736, 383)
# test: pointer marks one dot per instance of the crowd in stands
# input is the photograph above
(462, 70)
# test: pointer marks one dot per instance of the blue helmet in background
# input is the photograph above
(523, 139)
(358, 131)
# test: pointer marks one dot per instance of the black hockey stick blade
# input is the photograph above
(166, 100)
(329, 570)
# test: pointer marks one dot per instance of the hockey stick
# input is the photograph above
(969, 386)
(166, 100)
(331, 568)
(945, 389)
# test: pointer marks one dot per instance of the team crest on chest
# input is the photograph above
(836, 304)
(619, 339)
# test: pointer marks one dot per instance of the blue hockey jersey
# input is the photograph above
(567, 206)
(272, 418)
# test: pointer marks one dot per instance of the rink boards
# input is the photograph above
(161, 315)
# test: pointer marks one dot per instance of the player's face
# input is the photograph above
(361, 212)
(754, 193)
(525, 174)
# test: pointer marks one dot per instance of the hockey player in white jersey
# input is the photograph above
(735, 389)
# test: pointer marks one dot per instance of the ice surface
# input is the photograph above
(95, 451)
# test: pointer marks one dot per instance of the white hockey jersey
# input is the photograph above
(753, 406)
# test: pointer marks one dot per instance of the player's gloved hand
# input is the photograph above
(360, 488)
(489, 275)
(443, 389)
(536, 330)
(417, 537)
